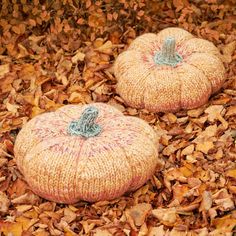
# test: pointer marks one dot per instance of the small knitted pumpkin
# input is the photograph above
(169, 71)
(86, 152)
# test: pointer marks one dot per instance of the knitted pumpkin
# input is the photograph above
(86, 152)
(169, 71)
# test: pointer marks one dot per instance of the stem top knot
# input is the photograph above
(85, 126)
(167, 55)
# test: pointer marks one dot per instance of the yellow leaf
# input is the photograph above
(4, 69)
(79, 56)
(185, 171)
(225, 222)
(16, 29)
(23, 208)
(231, 173)
(12, 107)
(36, 111)
(205, 146)
(167, 216)
(9, 228)
(139, 212)
(105, 48)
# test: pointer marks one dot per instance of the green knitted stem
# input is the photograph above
(85, 126)
(168, 55)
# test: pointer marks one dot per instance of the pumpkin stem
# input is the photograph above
(168, 55)
(85, 126)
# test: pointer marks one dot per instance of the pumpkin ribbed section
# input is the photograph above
(169, 71)
(67, 168)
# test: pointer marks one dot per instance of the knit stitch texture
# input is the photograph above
(168, 71)
(66, 168)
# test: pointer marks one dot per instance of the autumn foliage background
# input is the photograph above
(61, 52)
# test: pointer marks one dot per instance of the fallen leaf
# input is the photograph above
(9, 228)
(226, 222)
(4, 69)
(206, 201)
(79, 56)
(167, 216)
(105, 48)
(228, 51)
(188, 150)
(156, 231)
(231, 173)
(4, 203)
(23, 208)
(139, 212)
(69, 215)
(205, 147)
(27, 198)
(214, 112)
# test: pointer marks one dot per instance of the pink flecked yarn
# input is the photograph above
(119, 154)
(168, 71)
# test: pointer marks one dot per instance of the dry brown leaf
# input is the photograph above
(231, 111)
(227, 223)
(157, 231)
(69, 215)
(9, 228)
(228, 51)
(215, 112)
(139, 212)
(79, 56)
(167, 216)
(12, 107)
(4, 203)
(206, 201)
(102, 232)
(4, 69)
(105, 48)
(27, 198)
(205, 147)
(179, 192)
(231, 173)
(188, 150)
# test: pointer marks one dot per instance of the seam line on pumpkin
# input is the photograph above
(67, 163)
(127, 159)
(146, 87)
(76, 168)
(203, 73)
(56, 184)
(180, 90)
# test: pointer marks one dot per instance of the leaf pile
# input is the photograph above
(61, 52)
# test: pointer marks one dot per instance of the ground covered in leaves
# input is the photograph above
(61, 52)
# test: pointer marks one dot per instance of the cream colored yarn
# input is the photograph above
(67, 168)
(143, 83)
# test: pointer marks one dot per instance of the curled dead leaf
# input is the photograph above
(4, 202)
(167, 216)
(4, 69)
(138, 213)
(206, 201)
(79, 56)
(27, 198)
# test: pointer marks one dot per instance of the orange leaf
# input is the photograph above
(16, 29)
(9, 228)
(231, 173)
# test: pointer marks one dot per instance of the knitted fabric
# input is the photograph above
(85, 126)
(167, 55)
(66, 168)
(168, 71)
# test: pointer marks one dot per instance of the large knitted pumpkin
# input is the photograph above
(168, 71)
(86, 152)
